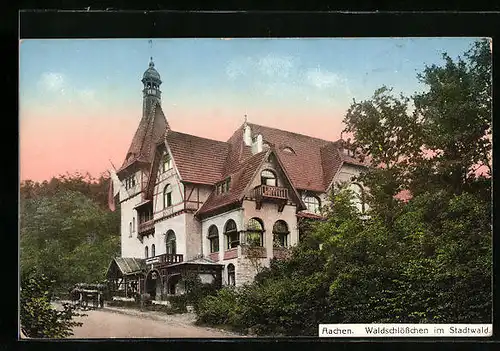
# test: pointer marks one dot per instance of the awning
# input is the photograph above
(127, 266)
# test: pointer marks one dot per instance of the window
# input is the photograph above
(231, 276)
(167, 196)
(312, 203)
(146, 252)
(213, 237)
(268, 177)
(255, 232)
(133, 225)
(153, 250)
(232, 235)
(280, 233)
(170, 242)
(130, 182)
(130, 230)
(223, 187)
(289, 150)
(167, 163)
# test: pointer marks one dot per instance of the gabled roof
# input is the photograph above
(198, 160)
(128, 265)
(240, 179)
(311, 166)
(150, 131)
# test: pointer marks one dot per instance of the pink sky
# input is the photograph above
(53, 144)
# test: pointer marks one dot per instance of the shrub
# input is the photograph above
(38, 317)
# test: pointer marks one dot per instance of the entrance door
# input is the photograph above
(151, 282)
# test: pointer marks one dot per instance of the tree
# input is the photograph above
(438, 139)
(68, 236)
(39, 319)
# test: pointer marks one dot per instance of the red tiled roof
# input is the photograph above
(151, 130)
(198, 160)
(331, 161)
(239, 182)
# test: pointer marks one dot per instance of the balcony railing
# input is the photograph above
(272, 192)
(165, 259)
(146, 227)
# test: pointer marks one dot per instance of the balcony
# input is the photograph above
(270, 194)
(165, 259)
(146, 228)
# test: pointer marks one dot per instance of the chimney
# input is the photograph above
(247, 135)
(257, 144)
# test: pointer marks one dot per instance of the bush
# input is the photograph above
(216, 309)
(38, 318)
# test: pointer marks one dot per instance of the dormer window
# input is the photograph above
(288, 150)
(167, 163)
(223, 187)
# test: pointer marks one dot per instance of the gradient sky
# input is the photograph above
(81, 100)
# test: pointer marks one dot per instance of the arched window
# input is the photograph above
(133, 225)
(312, 203)
(213, 237)
(267, 177)
(130, 230)
(358, 196)
(153, 253)
(231, 276)
(167, 162)
(289, 150)
(280, 233)
(255, 232)
(231, 234)
(146, 252)
(170, 242)
(167, 196)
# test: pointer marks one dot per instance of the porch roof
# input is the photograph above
(127, 265)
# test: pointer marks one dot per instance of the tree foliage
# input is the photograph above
(65, 232)
(39, 319)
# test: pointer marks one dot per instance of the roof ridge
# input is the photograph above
(294, 133)
(199, 137)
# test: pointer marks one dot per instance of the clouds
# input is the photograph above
(324, 79)
(285, 75)
(56, 86)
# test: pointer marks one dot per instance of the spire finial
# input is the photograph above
(245, 118)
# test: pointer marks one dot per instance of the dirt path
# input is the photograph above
(112, 322)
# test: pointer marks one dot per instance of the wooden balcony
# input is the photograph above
(165, 259)
(270, 193)
(146, 228)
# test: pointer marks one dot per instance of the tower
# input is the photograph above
(151, 92)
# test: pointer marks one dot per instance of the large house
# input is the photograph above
(193, 204)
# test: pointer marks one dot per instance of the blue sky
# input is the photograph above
(336, 69)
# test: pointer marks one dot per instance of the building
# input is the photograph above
(194, 204)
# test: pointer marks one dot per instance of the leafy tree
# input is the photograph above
(67, 236)
(39, 319)
(438, 139)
